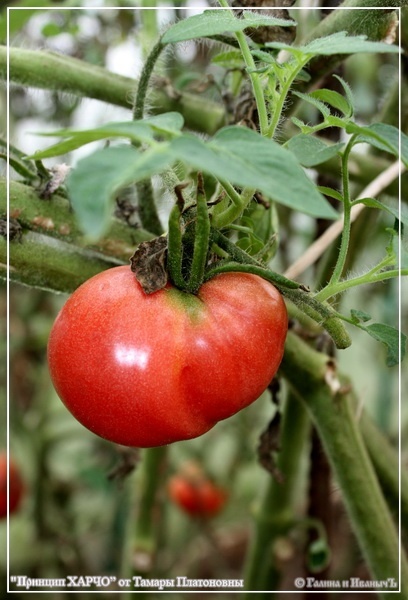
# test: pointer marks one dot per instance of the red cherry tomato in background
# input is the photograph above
(16, 486)
(196, 494)
(147, 370)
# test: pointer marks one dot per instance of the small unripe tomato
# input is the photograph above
(147, 370)
(196, 494)
(16, 486)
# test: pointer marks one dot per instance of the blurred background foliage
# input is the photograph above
(74, 516)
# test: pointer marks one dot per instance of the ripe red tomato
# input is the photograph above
(16, 486)
(147, 370)
(196, 495)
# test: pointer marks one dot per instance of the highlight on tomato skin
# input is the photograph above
(16, 486)
(195, 493)
(149, 370)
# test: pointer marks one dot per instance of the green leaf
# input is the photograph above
(216, 22)
(94, 182)
(311, 151)
(359, 316)
(20, 167)
(334, 99)
(337, 43)
(401, 215)
(348, 92)
(384, 137)
(245, 158)
(327, 191)
(230, 60)
(302, 125)
(18, 18)
(136, 131)
(316, 103)
(391, 338)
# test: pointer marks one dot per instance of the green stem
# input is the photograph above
(147, 207)
(201, 239)
(52, 71)
(175, 247)
(311, 376)
(276, 514)
(277, 110)
(234, 211)
(49, 264)
(138, 108)
(144, 542)
(386, 464)
(342, 286)
(55, 219)
(254, 77)
(345, 237)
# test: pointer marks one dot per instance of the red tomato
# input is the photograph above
(16, 487)
(198, 497)
(147, 370)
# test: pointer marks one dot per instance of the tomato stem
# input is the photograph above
(201, 240)
(147, 208)
(276, 515)
(313, 379)
(175, 243)
(140, 100)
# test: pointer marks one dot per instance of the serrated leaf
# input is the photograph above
(311, 151)
(338, 43)
(245, 158)
(359, 316)
(384, 137)
(216, 22)
(316, 103)
(391, 338)
(334, 99)
(136, 131)
(94, 182)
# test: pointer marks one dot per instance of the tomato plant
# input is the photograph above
(147, 370)
(196, 494)
(16, 486)
(260, 147)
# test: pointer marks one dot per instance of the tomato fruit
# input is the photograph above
(196, 495)
(147, 370)
(16, 487)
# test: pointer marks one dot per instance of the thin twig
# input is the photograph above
(318, 247)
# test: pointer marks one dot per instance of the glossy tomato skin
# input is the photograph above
(16, 487)
(147, 370)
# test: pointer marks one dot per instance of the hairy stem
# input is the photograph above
(175, 246)
(345, 236)
(386, 464)
(312, 377)
(276, 514)
(142, 88)
(254, 77)
(201, 239)
(144, 545)
(52, 71)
